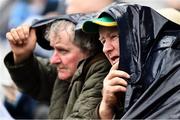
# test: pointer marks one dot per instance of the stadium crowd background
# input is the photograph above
(16, 12)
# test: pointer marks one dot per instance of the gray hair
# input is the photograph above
(86, 42)
(58, 26)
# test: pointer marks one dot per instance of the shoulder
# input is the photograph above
(98, 68)
(99, 63)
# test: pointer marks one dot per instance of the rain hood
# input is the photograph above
(150, 53)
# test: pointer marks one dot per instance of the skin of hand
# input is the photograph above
(22, 41)
(113, 83)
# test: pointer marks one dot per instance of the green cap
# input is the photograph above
(92, 26)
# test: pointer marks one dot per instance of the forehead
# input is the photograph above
(107, 30)
(61, 32)
(61, 37)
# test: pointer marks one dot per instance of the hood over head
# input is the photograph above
(140, 30)
(41, 26)
(138, 26)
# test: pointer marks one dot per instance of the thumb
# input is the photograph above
(33, 35)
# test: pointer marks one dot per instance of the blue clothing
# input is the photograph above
(4, 115)
(22, 108)
(20, 11)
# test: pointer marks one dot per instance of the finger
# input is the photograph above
(9, 36)
(115, 66)
(119, 88)
(115, 89)
(118, 73)
(15, 36)
(118, 81)
(20, 32)
(33, 35)
(26, 30)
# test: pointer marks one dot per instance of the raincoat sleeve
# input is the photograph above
(32, 76)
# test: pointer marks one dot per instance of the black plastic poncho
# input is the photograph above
(150, 53)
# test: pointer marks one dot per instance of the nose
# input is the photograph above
(107, 47)
(55, 58)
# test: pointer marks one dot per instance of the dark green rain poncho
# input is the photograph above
(150, 53)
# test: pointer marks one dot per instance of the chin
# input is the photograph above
(111, 62)
(63, 77)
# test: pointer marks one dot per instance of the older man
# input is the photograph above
(146, 45)
(72, 85)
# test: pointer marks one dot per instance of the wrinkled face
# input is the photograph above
(66, 55)
(109, 37)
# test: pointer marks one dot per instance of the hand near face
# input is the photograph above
(22, 41)
(113, 84)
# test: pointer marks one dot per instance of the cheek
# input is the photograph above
(116, 47)
(117, 50)
(71, 62)
(70, 66)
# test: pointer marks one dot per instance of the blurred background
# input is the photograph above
(16, 12)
